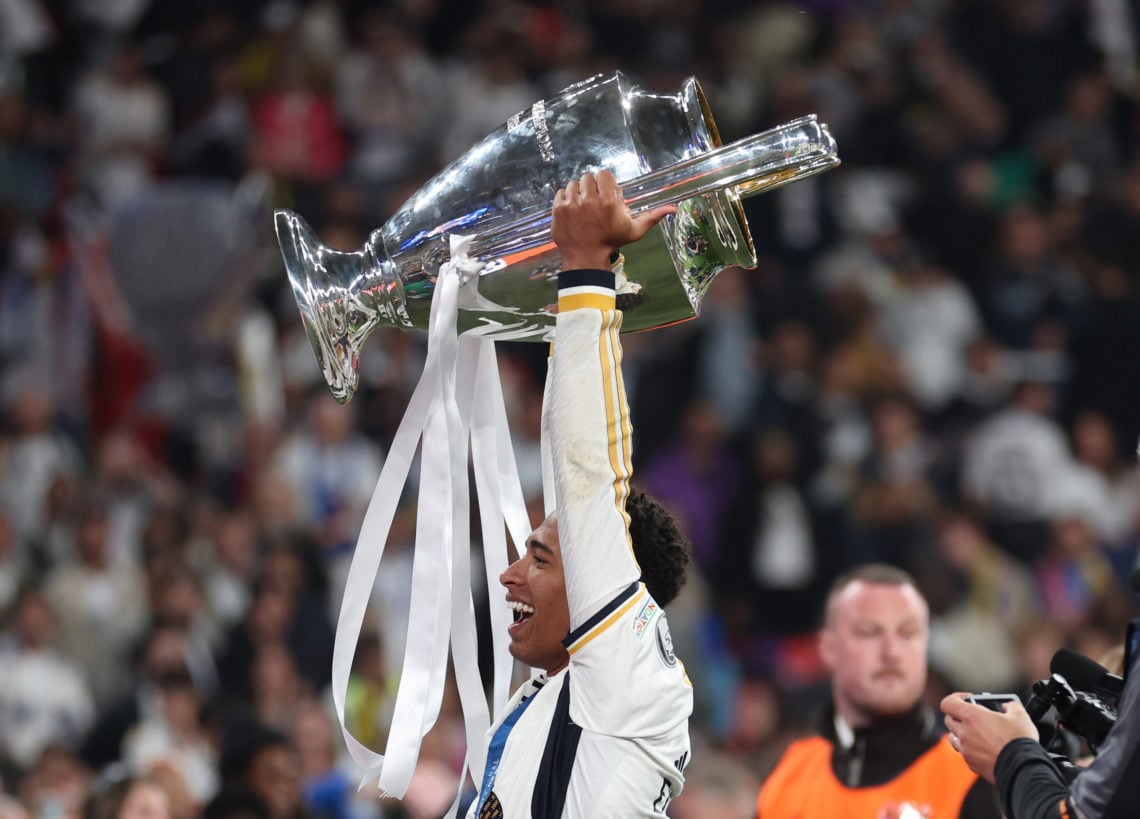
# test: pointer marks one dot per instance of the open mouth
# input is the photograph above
(520, 610)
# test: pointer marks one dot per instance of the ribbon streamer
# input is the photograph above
(457, 402)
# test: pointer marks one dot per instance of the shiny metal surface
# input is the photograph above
(663, 148)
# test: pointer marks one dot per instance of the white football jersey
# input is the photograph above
(608, 735)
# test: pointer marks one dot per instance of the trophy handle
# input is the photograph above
(753, 165)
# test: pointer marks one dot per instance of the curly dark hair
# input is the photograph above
(660, 546)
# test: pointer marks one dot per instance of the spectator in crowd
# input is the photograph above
(229, 574)
(929, 324)
(44, 310)
(1076, 579)
(329, 790)
(983, 599)
(134, 485)
(895, 499)
(1112, 481)
(177, 600)
(132, 797)
(297, 134)
(123, 122)
(716, 785)
(278, 689)
(263, 763)
(1076, 145)
(281, 614)
(388, 97)
(788, 394)
(175, 735)
(1029, 281)
(770, 565)
(101, 605)
(44, 698)
(331, 469)
(729, 364)
(13, 564)
(57, 783)
(488, 87)
(36, 454)
(1010, 465)
(165, 653)
(214, 143)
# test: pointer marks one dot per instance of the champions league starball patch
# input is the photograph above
(665, 642)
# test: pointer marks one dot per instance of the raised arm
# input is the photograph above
(585, 416)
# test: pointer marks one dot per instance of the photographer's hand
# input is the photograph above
(979, 734)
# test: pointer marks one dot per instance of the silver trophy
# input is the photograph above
(662, 148)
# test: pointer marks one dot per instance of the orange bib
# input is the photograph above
(803, 786)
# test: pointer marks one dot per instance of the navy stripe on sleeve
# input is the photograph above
(586, 278)
(602, 614)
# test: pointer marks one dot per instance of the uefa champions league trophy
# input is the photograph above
(662, 149)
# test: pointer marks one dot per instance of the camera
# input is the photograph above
(1055, 704)
(994, 702)
(1077, 702)
(1079, 697)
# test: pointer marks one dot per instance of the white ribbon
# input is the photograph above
(458, 399)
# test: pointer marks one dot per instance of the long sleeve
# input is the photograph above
(588, 431)
(1030, 783)
(626, 681)
(1110, 787)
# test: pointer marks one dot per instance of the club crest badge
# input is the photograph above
(665, 642)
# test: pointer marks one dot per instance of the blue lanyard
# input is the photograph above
(495, 750)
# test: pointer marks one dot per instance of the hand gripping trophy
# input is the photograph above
(470, 254)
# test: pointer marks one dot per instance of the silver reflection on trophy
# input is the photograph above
(662, 148)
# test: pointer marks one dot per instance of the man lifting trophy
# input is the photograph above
(472, 257)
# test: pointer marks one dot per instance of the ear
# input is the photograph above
(827, 648)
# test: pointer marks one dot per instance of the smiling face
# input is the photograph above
(536, 592)
(874, 645)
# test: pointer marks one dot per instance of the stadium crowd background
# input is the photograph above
(935, 363)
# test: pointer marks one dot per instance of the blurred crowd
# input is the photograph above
(934, 365)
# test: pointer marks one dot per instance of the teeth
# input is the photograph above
(521, 608)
